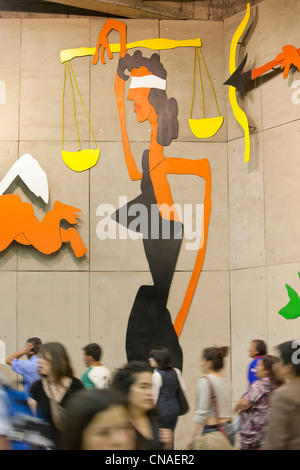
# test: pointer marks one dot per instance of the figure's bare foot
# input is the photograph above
(65, 212)
(76, 242)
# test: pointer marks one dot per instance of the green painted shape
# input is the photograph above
(292, 309)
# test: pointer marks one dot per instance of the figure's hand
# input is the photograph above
(103, 41)
(289, 56)
(65, 212)
(104, 45)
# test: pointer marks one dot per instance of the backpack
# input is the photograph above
(27, 432)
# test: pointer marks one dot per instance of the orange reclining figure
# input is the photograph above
(18, 221)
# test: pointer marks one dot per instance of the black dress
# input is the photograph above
(150, 324)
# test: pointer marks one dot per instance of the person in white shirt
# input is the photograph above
(205, 419)
(96, 375)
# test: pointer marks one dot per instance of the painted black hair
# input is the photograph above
(165, 108)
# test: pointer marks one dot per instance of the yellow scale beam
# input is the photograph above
(155, 44)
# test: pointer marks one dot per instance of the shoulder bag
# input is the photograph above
(215, 440)
(180, 395)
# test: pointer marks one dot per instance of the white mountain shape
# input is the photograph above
(31, 173)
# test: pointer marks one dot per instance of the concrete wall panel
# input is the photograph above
(207, 321)
(278, 26)
(246, 205)
(282, 197)
(10, 36)
(42, 78)
(248, 321)
(51, 304)
(9, 318)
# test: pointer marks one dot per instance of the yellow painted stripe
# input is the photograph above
(237, 111)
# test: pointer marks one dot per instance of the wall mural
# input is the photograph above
(204, 127)
(18, 221)
(82, 160)
(150, 324)
(285, 60)
(289, 56)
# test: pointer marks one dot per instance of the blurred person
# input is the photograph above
(134, 381)
(49, 395)
(257, 349)
(28, 369)
(205, 419)
(253, 407)
(165, 380)
(96, 375)
(98, 420)
(283, 431)
(5, 422)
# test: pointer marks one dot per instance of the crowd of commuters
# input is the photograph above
(137, 406)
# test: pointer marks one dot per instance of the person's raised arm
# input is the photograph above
(18, 354)
(119, 87)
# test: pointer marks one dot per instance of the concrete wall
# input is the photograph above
(252, 246)
(263, 194)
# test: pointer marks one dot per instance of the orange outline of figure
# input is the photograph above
(159, 165)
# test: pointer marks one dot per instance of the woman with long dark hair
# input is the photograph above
(49, 395)
(134, 381)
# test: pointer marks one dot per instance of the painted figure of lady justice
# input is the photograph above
(150, 324)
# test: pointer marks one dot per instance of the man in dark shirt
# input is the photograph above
(28, 369)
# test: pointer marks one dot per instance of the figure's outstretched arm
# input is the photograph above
(199, 168)
(119, 88)
(133, 171)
